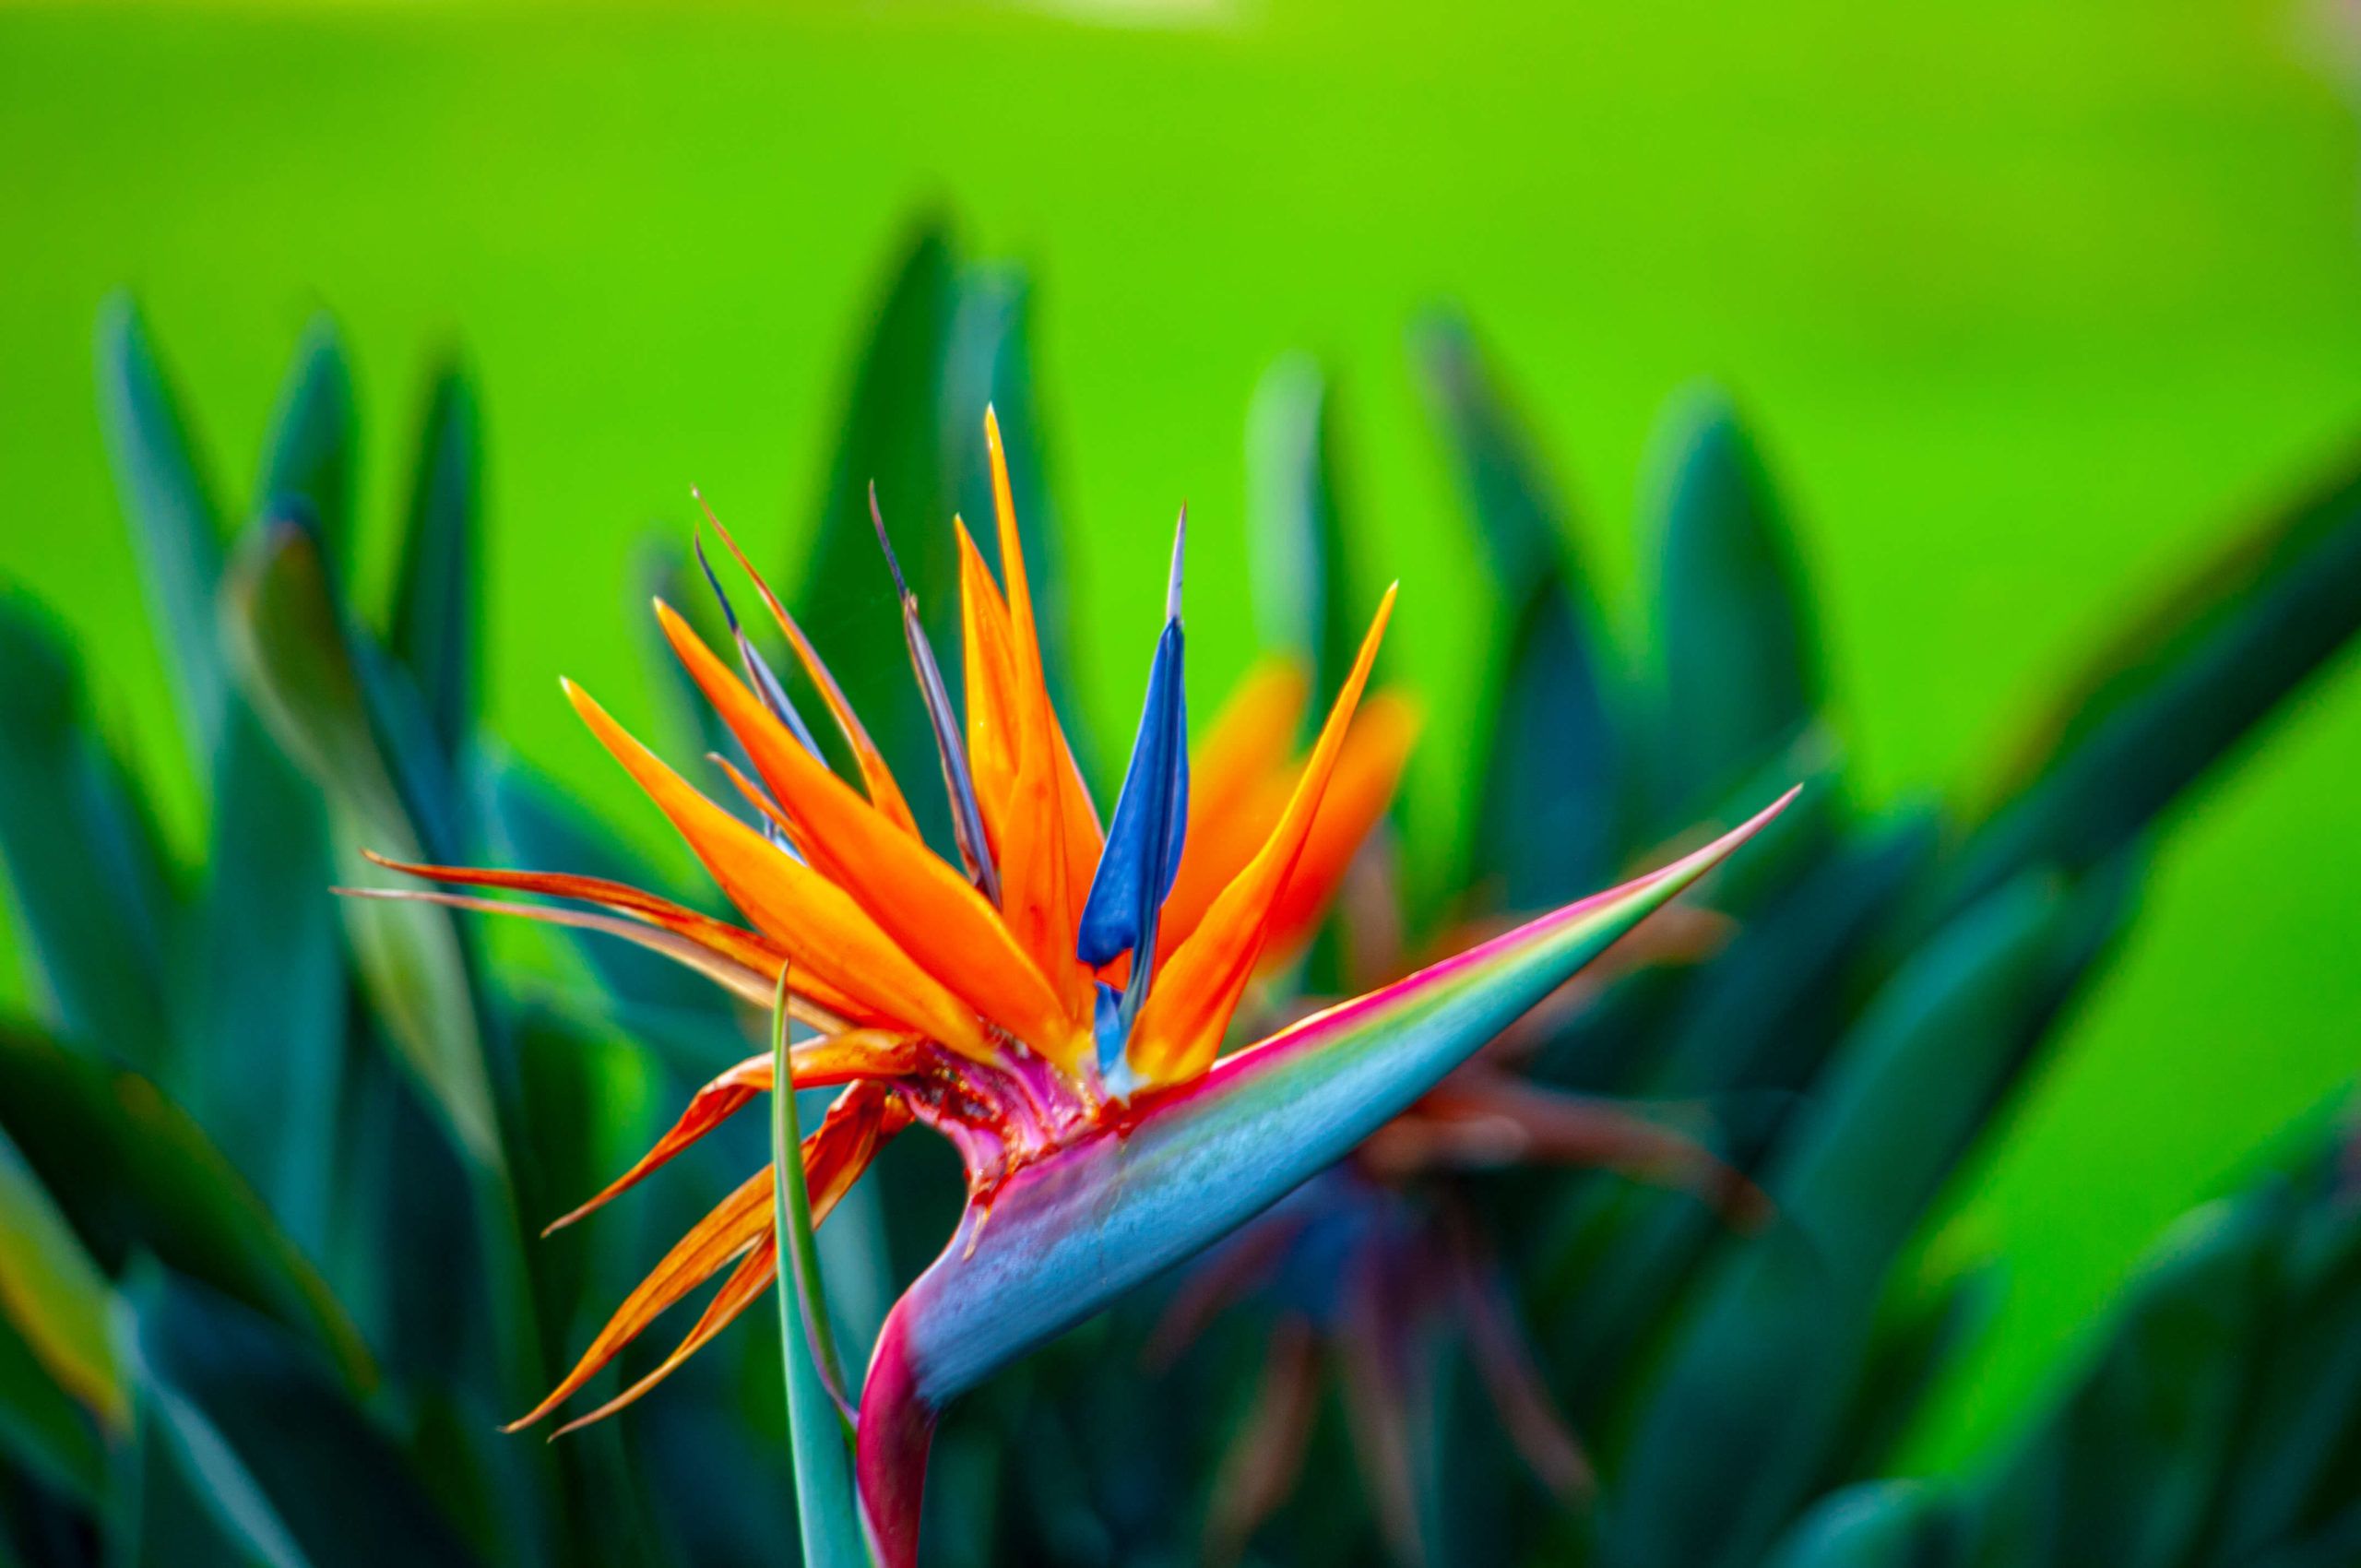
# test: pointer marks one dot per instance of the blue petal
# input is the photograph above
(1143, 840)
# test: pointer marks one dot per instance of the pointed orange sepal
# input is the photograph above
(826, 934)
(1239, 780)
(749, 949)
(1042, 889)
(923, 903)
(835, 1155)
(1362, 790)
(734, 1225)
(990, 662)
(1180, 1025)
(820, 1063)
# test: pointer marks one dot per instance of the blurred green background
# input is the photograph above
(2028, 301)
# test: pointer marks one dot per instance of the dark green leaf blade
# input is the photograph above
(1736, 1425)
(1296, 535)
(287, 1467)
(260, 991)
(1880, 1524)
(435, 624)
(827, 1511)
(308, 455)
(2179, 688)
(81, 862)
(1739, 662)
(1553, 814)
(299, 664)
(897, 432)
(130, 1170)
(53, 1293)
(175, 525)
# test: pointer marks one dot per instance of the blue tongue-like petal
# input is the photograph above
(1144, 839)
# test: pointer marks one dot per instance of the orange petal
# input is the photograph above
(747, 985)
(747, 1285)
(748, 951)
(735, 1224)
(990, 662)
(1180, 1026)
(837, 1059)
(835, 1155)
(875, 776)
(921, 901)
(1040, 889)
(988, 672)
(1368, 771)
(825, 934)
(1239, 779)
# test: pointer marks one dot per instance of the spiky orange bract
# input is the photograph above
(823, 930)
(1040, 890)
(921, 903)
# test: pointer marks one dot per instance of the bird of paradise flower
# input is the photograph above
(1053, 1005)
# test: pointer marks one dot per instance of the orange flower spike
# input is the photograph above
(1039, 890)
(875, 776)
(823, 931)
(734, 1226)
(990, 665)
(834, 1157)
(820, 1063)
(744, 947)
(921, 901)
(1239, 780)
(987, 643)
(1368, 771)
(1180, 1025)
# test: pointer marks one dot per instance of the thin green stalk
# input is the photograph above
(827, 1510)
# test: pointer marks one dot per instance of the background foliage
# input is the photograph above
(2026, 305)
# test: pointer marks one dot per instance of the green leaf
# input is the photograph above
(2128, 1471)
(1734, 635)
(1552, 819)
(1737, 1423)
(174, 522)
(82, 865)
(2300, 1454)
(1881, 1524)
(897, 432)
(827, 1511)
(130, 1170)
(308, 455)
(299, 665)
(435, 625)
(1757, 1021)
(44, 1433)
(261, 996)
(1302, 577)
(948, 341)
(52, 1292)
(2178, 689)
(286, 1467)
